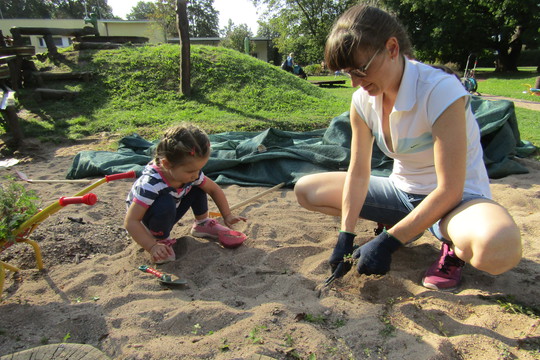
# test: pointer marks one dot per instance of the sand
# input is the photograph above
(264, 298)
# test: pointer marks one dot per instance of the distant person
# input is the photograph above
(288, 64)
(170, 185)
(421, 117)
(299, 71)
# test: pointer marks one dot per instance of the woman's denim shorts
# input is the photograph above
(387, 205)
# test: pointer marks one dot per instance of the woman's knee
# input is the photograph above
(301, 192)
(497, 251)
(485, 235)
(321, 190)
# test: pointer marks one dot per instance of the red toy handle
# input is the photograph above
(88, 199)
(126, 175)
(154, 272)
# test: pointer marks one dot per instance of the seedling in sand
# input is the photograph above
(224, 346)
(196, 329)
(511, 305)
(254, 334)
(389, 329)
(66, 337)
(439, 324)
(315, 319)
(289, 342)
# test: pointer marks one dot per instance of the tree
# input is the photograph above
(202, 17)
(302, 25)
(165, 15)
(185, 54)
(441, 30)
(235, 35)
(266, 30)
(29, 9)
(142, 11)
(54, 9)
(448, 31)
(76, 9)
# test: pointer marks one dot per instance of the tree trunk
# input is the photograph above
(183, 29)
(508, 56)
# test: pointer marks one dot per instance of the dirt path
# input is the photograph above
(527, 104)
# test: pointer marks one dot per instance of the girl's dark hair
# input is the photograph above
(362, 27)
(181, 143)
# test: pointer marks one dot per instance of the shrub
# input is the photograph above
(313, 69)
(16, 206)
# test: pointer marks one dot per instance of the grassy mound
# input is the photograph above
(136, 89)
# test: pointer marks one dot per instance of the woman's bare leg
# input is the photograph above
(321, 192)
(484, 235)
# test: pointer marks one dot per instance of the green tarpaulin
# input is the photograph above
(273, 156)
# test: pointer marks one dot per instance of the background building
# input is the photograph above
(264, 49)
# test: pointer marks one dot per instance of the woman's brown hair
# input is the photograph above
(362, 27)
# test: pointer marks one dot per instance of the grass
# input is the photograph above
(529, 125)
(513, 85)
(135, 89)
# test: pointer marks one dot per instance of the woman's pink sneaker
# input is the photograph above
(208, 229)
(445, 273)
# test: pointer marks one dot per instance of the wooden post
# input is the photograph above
(17, 38)
(2, 40)
(51, 46)
(7, 107)
(183, 29)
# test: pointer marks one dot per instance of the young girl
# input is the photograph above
(171, 184)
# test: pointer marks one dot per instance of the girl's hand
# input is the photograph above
(233, 219)
(160, 251)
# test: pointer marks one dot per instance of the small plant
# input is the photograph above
(505, 353)
(44, 340)
(294, 355)
(509, 304)
(388, 329)
(254, 334)
(196, 329)
(332, 350)
(349, 258)
(66, 337)
(316, 319)
(367, 352)
(16, 206)
(224, 346)
(289, 341)
(438, 324)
